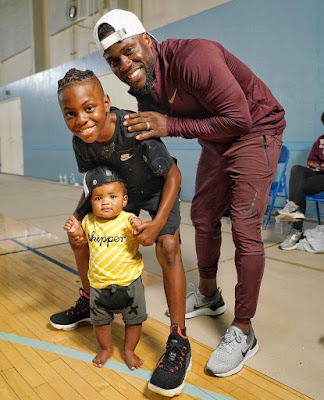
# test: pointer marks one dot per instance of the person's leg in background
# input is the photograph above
(303, 181)
(296, 205)
(298, 174)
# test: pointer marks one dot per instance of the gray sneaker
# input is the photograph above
(291, 212)
(291, 241)
(233, 351)
(198, 304)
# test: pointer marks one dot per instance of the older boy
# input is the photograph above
(153, 182)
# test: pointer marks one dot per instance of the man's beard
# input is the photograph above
(146, 89)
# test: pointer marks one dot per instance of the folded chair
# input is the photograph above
(318, 198)
(278, 187)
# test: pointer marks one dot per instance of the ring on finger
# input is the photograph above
(148, 126)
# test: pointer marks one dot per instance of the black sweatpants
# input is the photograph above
(304, 181)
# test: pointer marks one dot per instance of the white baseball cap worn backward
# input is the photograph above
(125, 24)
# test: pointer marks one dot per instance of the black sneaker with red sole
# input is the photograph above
(71, 318)
(169, 376)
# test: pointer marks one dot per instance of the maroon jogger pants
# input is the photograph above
(235, 177)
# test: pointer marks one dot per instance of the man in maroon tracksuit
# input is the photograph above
(197, 89)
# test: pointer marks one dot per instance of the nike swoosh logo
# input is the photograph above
(245, 352)
(125, 157)
(173, 97)
(249, 211)
(201, 305)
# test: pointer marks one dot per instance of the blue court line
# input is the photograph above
(32, 235)
(116, 366)
(51, 245)
(13, 252)
(35, 248)
(24, 236)
(46, 257)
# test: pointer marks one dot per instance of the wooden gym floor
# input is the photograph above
(38, 278)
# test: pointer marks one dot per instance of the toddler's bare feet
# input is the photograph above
(102, 357)
(132, 360)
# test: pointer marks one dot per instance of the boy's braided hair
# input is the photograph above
(74, 76)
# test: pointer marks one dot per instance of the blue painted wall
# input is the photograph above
(280, 40)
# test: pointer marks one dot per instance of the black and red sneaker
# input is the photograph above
(71, 318)
(170, 373)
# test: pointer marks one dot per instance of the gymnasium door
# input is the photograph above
(11, 141)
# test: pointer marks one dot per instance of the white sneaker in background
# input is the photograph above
(291, 212)
(291, 241)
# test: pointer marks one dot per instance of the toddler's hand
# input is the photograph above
(71, 225)
(135, 223)
(75, 231)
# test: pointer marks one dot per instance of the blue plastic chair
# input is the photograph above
(318, 198)
(279, 187)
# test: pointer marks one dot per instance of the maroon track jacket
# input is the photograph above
(207, 93)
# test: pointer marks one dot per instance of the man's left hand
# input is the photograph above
(154, 123)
